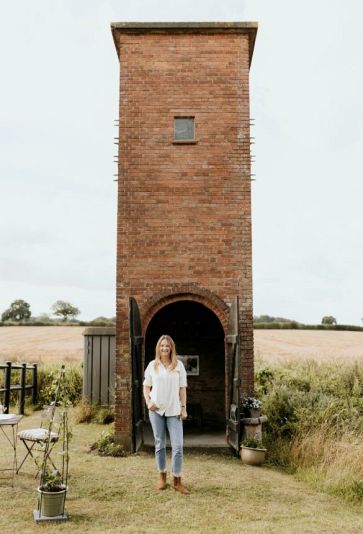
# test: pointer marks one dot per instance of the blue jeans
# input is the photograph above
(174, 425)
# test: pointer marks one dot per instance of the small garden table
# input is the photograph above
(10, 421)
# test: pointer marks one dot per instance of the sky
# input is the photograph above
(58, 103)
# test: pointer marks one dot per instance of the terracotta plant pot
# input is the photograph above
(255, 412)
(252, 456)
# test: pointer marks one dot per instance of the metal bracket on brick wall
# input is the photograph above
(232, 338)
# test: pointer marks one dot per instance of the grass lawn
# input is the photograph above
(118, 495)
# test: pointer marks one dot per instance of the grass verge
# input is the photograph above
(117, 495)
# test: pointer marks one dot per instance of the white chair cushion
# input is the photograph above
(37, 434)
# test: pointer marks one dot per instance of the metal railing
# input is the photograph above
(22, 387)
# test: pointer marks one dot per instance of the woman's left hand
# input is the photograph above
(183, 414)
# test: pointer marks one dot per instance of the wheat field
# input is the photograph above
(41, 344)
(55, 344)
(277, 347)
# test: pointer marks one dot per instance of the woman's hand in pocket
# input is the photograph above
(152, 406)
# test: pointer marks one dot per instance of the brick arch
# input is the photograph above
(200, 295)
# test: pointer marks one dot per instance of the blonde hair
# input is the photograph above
(173, 355)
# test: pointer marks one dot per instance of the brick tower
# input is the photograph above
(184, 264)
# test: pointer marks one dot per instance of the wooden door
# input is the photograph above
(233, 355)
(136, 341)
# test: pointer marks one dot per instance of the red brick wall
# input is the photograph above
(184, 214)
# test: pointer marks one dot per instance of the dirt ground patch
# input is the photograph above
(55, 344)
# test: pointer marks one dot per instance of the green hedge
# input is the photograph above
(47, 379)
(56, 323)
(273, 325)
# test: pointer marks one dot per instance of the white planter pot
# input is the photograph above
(252, 456)
(51, 503)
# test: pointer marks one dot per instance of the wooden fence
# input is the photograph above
(22, 387)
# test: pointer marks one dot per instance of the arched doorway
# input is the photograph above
(197, 332)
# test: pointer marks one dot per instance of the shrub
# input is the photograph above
(252, 443)
(47, 379)
(105, 415)
(264, 379)
(314, 417)
(270, 319)
(86, 412)
(106, 445)
(102, 321)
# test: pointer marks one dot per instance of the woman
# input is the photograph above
(166, 398)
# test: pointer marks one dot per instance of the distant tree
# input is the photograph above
(270, 319)
(64, 309)
(103, 319)
(328, 319)
(43, 318)
(19, 310)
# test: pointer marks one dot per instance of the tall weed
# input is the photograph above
(87, 412)
(315, 425)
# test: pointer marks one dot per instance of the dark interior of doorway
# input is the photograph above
(196, 331)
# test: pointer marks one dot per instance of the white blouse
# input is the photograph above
(165, 386)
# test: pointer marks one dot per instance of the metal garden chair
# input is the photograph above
(35, 439)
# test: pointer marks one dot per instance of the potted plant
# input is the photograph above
(252, 451)
(53, 480)
(52, 495)
(251, 406)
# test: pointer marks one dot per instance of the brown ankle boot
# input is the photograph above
(178, 486)
(161, 484)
